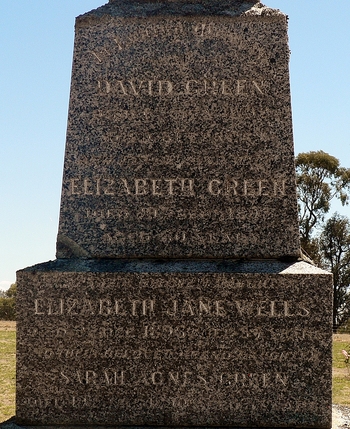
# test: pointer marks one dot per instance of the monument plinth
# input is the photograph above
(178, 297)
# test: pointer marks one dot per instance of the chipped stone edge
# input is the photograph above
(72, 246)
(126, 9)
(260, 9)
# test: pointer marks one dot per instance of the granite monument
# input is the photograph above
(179, 296)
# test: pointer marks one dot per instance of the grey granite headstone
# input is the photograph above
(179, 137)
(175, 344)
(178, 297)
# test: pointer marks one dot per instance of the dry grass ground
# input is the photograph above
(341, 373)
(7, 369)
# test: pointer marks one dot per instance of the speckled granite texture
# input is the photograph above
(179, 138)
(176, 299)
(247, 347)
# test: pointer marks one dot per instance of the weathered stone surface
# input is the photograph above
(179, 139)
(174, 344)
(184, 8)
(178, 177)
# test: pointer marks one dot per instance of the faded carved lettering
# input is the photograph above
(188, 187)
(199, 88)
(202, 307)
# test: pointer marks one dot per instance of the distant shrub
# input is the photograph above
(7, 309)
(8, 304)
(345, 328)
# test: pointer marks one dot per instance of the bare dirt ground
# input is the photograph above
(7, 325)
(341, 337)
(341, 372)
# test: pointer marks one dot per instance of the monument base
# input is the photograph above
(174, 343)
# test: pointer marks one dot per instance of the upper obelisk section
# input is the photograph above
(179, 140)
(149, 8)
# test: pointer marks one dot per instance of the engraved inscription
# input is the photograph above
(200, 87)
(187, 187)
(200, 355)
(174, 309)
(177, 236)
(77, 402)
(110, 378)
(107, 377)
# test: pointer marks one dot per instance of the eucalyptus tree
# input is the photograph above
(320, 179)
(334, 245)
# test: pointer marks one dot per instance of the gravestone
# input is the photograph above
(179, 138)
(178, 297)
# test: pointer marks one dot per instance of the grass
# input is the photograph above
(7, 369)
(341, 374)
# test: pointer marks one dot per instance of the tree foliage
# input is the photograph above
(8, 304)
(320, 178)
(334, 244)
(11, 292)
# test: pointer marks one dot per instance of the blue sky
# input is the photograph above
(36, 39)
